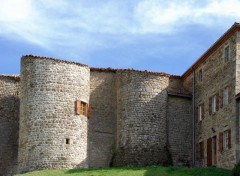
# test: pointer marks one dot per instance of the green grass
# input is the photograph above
(134, 171)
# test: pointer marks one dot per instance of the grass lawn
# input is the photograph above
(134, 171)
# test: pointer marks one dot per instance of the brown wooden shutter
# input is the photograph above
(78, 107)
(196, 114)
(229, 138)
(221, 98)
(229, 93)
(217, 101)
(202, 150)
(209, 152)
(197, 152)
(202, 111)
(220, 142)
(210, 105)
(89, 111)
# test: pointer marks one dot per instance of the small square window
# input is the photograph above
(81, 108)
(227, 54)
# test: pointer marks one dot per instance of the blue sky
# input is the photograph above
(155, 35)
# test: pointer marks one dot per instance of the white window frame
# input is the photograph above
(200, 112)
(225, 96)
(225, 139)
(227, 54)
(214, 103)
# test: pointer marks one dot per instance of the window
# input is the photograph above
(200, 76)
(81, 108)
(201, 151)
(214, 150)
(67, 141)
(214, 103)
(200, 112)
(225, 96)
(225, 139)
(227, 54)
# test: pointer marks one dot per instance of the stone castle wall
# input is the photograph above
(179, 123)
(9, 119)
(102, 123)
(141, 118)
(48, 91)
(128, 125)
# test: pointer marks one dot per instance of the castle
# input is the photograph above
(61, 114)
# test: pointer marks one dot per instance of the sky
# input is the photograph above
(155, 35)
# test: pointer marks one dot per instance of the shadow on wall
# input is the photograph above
(102, 123)
(9, 128)
(142, 128)
(133, 124)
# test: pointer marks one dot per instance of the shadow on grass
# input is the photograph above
(184, 171)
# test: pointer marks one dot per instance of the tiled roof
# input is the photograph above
(16, 77)
(57, 60)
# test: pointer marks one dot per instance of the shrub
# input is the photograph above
(236, 170)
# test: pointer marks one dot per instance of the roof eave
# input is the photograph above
(235, 27)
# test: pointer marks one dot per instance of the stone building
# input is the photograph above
(61, 114)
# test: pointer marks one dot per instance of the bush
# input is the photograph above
(236, 170)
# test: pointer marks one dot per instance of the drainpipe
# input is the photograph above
(193, 118)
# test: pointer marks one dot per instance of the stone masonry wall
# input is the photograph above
(48, 91)
(102, 123)
(179, 122)
(9, 119)
(141, 118)
(217, 74)
(237, 92)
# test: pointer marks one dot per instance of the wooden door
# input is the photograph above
(214, 150)
(209, 152)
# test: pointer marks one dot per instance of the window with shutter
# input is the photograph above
(203, 111)
(196, 114)
(78, 107)
(214, 103)
(227, 53)
(225, 96)
(210, 106)
(81, 108)
(200, 112)
(221, 98)
(229, 93)
(89, 111)
(200, 150)
(229, 138)
(197, 152)
(220, 142)
(225, 139)
(217, 102)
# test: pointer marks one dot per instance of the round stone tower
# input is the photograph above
(141, 118)
(51, 133)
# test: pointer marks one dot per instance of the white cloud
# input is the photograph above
(80, 25)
